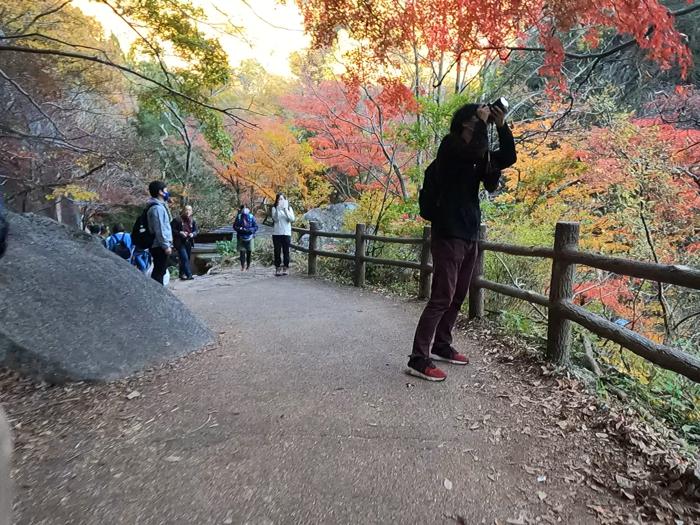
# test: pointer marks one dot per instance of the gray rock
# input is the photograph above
(331, 218)
(71, 310)
(5, 462)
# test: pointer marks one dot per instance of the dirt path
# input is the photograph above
(301, 414)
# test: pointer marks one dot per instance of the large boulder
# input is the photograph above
(71, 310)
(5, 468)
(330, 218)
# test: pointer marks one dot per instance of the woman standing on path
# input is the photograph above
(245, 228)
(282, 218)
(184, 231)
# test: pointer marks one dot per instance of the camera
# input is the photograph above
(501, 103)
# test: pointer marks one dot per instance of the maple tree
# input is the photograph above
(353, 130)
(630, 188)
(467, 29)
(269, 159)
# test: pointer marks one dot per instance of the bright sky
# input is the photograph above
(271, 31)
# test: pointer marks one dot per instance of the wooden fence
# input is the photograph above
(561, 310)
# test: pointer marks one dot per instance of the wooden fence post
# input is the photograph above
(476, 293)
(426, 276)
(561, 289)
(360, 252)
(313, 246)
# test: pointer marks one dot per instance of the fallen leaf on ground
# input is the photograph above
(448, 484)
(133, 394)
(623, 482)
(173, 459)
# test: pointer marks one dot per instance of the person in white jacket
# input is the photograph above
(282, 218)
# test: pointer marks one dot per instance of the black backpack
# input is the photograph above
(430, 195)
(121, 249)
(141, 236)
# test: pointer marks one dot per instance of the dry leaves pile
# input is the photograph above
(622, 451)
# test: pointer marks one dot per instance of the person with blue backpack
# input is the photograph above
(119, 242)
(245, 227)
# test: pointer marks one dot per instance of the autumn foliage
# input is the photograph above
(468, 28)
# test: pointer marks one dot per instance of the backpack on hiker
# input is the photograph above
(429, 195)
(141, 236)
(120, 248)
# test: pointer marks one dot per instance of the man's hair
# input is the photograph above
(155, 187)
(461, 116)
(95, 229)
(118, 228)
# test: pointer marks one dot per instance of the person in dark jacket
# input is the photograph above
(184, 231)
(245, 227)
(464, 162)
(159, 219)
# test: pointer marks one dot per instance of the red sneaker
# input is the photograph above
(449, 355)
(425, 369)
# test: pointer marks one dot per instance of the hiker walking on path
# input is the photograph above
(282, 218)
(120, 242)
(245, 227)
(184, 231)
(158, 219)
(463, 163)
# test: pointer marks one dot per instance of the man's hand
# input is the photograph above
(184, 234)
(483, 112)
(499, 116)
(168, 251)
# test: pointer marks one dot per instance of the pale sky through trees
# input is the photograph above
(270, 31)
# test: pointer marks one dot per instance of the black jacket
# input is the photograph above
(460, 174)
(176, 226)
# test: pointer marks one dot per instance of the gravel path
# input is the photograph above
(301, 414)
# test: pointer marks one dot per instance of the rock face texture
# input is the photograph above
(331, 218)
(5, 462)
(71, 310)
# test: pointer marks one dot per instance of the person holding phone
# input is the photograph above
(282, 219)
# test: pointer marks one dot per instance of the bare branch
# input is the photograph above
(79, 56)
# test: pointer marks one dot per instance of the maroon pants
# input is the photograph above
(453, 264)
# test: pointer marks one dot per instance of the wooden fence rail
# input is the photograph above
(360, 256)
(561, 310)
